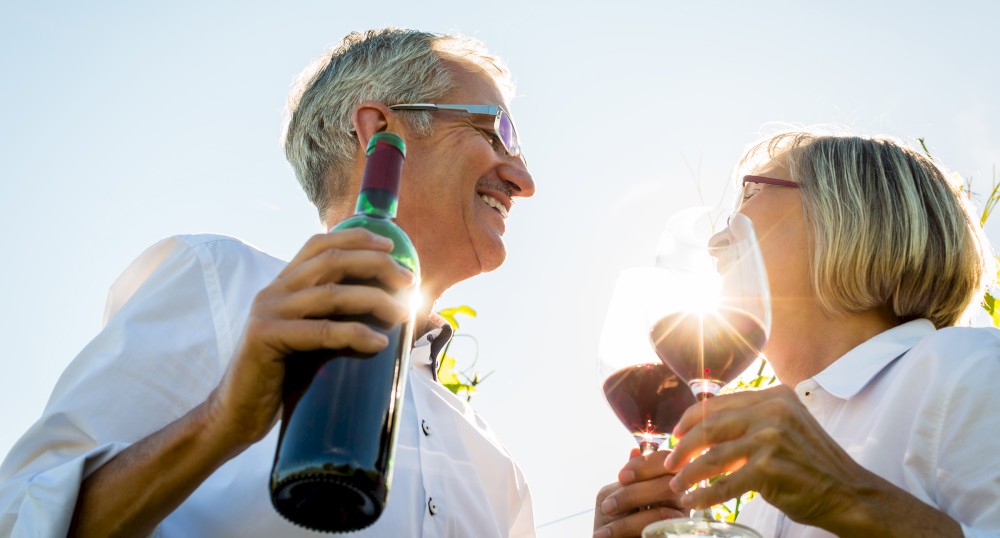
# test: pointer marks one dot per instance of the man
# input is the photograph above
(165, 422)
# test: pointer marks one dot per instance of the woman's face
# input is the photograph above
(779, 222)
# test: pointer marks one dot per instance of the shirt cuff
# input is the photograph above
(46, 500)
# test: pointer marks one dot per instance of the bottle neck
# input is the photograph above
(380, 182)
(375, 202)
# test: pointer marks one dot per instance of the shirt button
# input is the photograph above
(432, 506)
(426, 427)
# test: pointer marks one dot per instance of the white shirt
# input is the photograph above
(921, 408)
(173, 320)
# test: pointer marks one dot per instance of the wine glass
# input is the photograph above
(708, 315)
(646, 395)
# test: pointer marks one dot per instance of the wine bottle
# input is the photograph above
(333, 465)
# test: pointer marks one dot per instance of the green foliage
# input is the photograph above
(459, 382)
(990, 303)
(991, 306)
(449, 314)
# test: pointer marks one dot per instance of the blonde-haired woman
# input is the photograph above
(886, 420)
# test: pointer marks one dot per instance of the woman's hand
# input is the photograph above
(769, 442)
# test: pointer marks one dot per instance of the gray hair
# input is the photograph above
(391, 66)
(887, 225)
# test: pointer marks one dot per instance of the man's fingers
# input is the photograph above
(653, 492)
(641, 468)
(341, 299)
(353, 239)
(314, 334)
(338, 265)
(632, 525)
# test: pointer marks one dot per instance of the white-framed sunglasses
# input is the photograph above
(503, 124)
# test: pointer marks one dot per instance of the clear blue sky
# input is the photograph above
(123, 122)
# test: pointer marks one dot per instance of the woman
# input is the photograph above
(886, 420)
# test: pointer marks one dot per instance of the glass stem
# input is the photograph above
(704, 389)
(703, 514)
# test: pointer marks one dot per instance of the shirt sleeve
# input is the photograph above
(156, 358)
(965, 460)
(523, 517)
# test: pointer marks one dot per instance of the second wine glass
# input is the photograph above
(708, 310)
(646, 395)
(708, 315)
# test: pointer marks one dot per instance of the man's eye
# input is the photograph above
(492, 137)
(495, 141)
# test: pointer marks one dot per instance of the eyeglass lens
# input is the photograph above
(508, 135)
(750, 189)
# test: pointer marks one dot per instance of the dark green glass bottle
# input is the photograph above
(333, 464)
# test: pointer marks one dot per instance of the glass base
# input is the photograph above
(697, 528)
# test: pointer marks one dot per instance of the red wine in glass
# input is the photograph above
(708, 349)
(648, 399)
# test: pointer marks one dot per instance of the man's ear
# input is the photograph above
(370, 117)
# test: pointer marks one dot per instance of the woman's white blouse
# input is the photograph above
(921, 408)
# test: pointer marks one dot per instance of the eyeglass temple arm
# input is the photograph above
(769, 181)
(472, 109)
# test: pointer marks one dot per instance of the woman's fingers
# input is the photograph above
(724, 418)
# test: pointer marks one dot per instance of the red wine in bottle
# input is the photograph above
(714, 346)
(648, 399)
(333, 465)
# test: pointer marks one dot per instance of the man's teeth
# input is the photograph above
(492, 202)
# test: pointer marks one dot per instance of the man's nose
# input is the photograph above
(515, 173)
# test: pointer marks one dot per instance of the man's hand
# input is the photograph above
(132, 493)
(290, 314)
(641, 496)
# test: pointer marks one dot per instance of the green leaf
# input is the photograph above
(446, 371)
(450, 313)
(449, 375)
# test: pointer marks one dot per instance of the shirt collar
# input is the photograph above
(851, 372)
(435, 339)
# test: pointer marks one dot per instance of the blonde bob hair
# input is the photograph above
(389, 65)
(887, 225)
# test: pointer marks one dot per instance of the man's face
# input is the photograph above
(452, 182)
